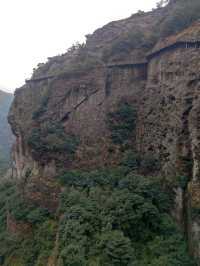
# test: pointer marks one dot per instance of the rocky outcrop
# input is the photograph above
(162, 85)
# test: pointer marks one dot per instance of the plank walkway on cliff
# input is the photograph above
(173, 46)
(40, 79)
(128, 65)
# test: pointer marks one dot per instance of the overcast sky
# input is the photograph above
(32, 30)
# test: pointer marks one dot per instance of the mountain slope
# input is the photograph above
(5, 132)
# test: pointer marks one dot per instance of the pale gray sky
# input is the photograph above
(32, 30)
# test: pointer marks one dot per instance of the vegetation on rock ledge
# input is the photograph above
(51, 139)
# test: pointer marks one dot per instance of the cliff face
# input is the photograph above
(171, 118)
(80, 104)
(71, 109)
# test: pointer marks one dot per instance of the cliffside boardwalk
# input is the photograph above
(138, 65)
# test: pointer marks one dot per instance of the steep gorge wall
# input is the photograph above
(167, 126)
(80, 104)
(171, 128)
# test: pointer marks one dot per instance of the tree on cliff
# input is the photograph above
(162, 3)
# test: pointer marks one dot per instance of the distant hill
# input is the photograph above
(5, 132)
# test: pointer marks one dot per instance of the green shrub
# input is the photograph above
(19, 208)
(73, 255)
(149, 164)
(131, 160)
(168, 251)
(23, 211)
(89, 179)
(195, 213)
(122, 123)
(146, 164)
(37, 215)
(182, 181)
(42, 109)
(38, 245)
(116, 249)
(52, 139)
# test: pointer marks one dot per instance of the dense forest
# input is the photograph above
(105, 217)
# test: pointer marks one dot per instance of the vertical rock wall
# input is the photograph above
(171, 105)
(80, 103)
